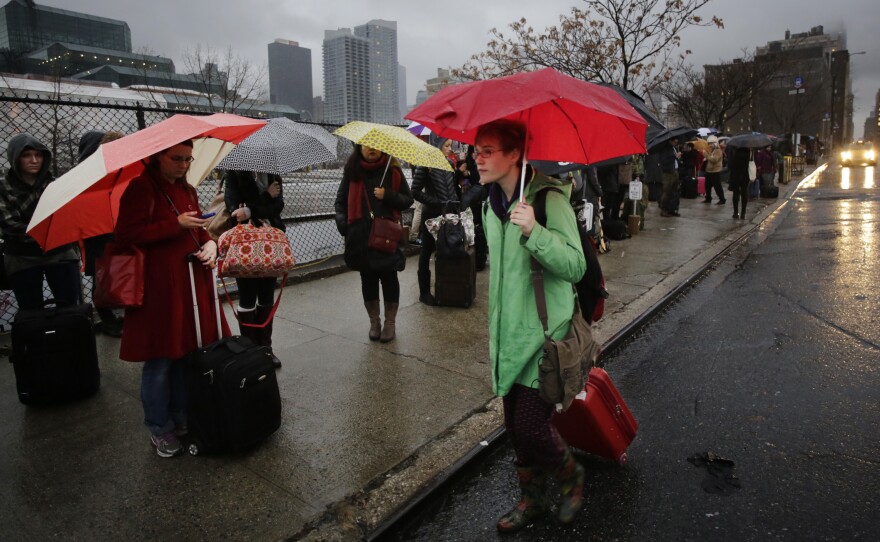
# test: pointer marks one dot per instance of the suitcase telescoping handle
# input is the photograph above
(192, 260)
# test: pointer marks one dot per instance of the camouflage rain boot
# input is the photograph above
(571, 484)
(532, 502)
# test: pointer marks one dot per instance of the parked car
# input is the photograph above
(859, 153)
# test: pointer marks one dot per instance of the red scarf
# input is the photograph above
(356, 188)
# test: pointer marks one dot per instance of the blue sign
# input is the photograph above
(798, 82)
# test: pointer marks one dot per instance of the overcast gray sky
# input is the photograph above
(435, 34)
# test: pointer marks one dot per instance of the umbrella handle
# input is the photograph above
(525, 162)
(388, 163)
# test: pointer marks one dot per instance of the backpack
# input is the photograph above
(590, 289)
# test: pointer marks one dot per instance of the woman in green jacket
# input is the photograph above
(516, 337)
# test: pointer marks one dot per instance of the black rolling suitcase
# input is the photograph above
(232, 393)
(54, 354)
(455, 280)
(689, 188)
(770, 192)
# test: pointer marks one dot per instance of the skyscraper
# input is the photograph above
(25, 26)
(290, 76)
(401, 90)
(382, 38)
(346, 77)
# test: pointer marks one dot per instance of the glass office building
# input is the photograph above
(25, 27)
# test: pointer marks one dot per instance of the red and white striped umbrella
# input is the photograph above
(84, 202)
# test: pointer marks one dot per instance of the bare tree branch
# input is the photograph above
(630, 43)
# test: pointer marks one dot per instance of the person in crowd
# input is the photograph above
(624, 177)
(367, 190)
(714, 162)
(690, 160)
(159, 213)
(110, 323)
(670, 157)
(766, 165)
(471, 181)
(439, 192)
(739, 179)
(516, 337)
(26, 264)
(256, 197)
(609, 181)
(591, 193)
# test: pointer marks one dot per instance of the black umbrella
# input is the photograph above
(682, 133)
(750, 140)
(654, 124)
(558, 168)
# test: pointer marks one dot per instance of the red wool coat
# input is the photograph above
(164, 327)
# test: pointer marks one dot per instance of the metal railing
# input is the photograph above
(308, 194)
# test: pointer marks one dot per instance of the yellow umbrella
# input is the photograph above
(395, 141)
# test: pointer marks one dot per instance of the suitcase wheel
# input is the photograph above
(193, 449)
(621, 460)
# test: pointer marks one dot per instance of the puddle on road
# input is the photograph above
(720, 478)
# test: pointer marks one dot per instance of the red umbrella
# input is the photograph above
(568, 120)
(84, 202)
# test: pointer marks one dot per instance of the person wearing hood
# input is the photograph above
(439, 192)
(26, 264)
(516, 336)
(110, 324)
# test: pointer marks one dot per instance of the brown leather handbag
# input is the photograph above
(385, 232)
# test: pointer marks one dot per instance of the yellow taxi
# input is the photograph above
(858, 153)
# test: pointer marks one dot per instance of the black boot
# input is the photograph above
(110, 325)
(425, 287)
(248, 317)
(264, 335)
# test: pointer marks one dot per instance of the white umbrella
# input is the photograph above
(282, 146)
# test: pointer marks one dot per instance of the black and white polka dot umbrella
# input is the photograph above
(282, 146)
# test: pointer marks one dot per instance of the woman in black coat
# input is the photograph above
(739, 179)
(256, 197)
(371, 186)
(439, 192)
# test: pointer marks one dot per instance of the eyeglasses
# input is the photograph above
(179, 159)
(485, 153)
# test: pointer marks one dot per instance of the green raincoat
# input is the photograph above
(516, 338)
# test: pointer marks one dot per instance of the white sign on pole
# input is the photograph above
(588, 214)
(635, 190)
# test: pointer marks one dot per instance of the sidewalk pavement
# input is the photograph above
(365, 425)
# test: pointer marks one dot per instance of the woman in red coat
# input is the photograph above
(159, 212)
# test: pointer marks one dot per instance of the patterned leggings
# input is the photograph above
(527, 420)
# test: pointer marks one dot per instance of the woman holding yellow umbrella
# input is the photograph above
(373, 186)
(362, 195)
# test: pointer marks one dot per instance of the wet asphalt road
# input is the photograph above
(771, 361)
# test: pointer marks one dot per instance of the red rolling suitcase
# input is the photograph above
(598, 420)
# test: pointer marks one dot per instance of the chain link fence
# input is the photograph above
(308, 194)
